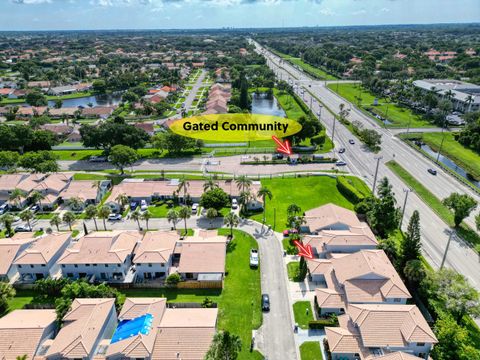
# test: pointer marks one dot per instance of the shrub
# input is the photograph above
(320, 324)
(318, 139)
(173, 279)
(347, 189)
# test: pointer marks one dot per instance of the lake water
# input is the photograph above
(264, 106)
(451, 165)
(96, 100)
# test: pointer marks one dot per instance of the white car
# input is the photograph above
(115, 217)
(194, 208)
(234, 204)
(143, 205)
(340, 163)
(253, 258)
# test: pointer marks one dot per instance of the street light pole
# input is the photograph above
(443, 138)
(406, 191)
(378, 158)
(452, 232)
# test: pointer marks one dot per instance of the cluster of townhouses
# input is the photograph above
(122, 257)
(218, 97)
(55, 188)
(145, 328)
(358, 283)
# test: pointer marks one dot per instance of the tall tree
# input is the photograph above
(103, 213)
(7, 292)
(56, 221)
(122, 156)
(27, 215)
(37, 198)
(231, 220)
(210, 185)
(173, 216)
(243, 183)
(69, 218)
(384, 215)
(123, 200)
(146, 216)
(184, 213)
(225, 346)
(411, 242)
(183, 184)
(91, 213)
(136, 216)
(264, 193)
(16, 196)
(461, 205)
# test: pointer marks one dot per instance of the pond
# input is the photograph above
(265, 106)
(96, 100)
(450, 164)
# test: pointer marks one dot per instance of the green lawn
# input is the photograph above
(308, 193)
(311, 70)
(161, 210)
(310, 350)
(302, 310)
(176, 295)
(293, 270)
(468, 234)
(462, 156)
(239, 304)
(288, 104)
(399, 116)
(45, 215)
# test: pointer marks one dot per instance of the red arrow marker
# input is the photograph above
(305, 251)
(282, 147)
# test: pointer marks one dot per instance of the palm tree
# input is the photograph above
(7, 293)
(184, 213)
(231, 220)
(91, 213)
(183, 184)
(69, 218)
(209, 185)
(136, 217)
(147, 215)
(469, 100)
(173, 217)
(16, 196)
(123, 200)
(75, 203)
(103, 214)
(56, 221)
(211, 214)
(244, 198)
(27, 215)
(449, 94)
(264, 193)
(7, 221)
(243, 182)
(224, 346)
(414, 271)
(37, 197)
(293, 209)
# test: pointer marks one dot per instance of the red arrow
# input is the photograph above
(283, 148)
(305, 251)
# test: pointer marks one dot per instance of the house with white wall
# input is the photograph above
(10, 249)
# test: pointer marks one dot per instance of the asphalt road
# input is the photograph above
(362, 162)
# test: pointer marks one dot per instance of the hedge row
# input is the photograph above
(320, 324)
(347, 189)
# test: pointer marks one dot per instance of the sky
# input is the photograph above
(198, 14)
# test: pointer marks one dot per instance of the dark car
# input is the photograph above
(35, 208)
(277, 156)
(351, 141)
(432, 171)
(265, 302)
(133, 205)
(341, 150)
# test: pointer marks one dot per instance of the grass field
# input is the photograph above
(468, 234)
(161, 210)
(302, 310)
(308, 193)
(310, 350)
(399, 116)
(293, 268)
(309, 69)
(462, 156)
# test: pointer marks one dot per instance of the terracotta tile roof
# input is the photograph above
(156, 247)
(82, 326)
(106, 247)
(202, 257)
(319, 266)
(82, 189)
(43, 249)
(147, 127)
(22, 330)
(397, 355)
(10, 181)
(329, 298)
(9, 250)
(341, 340)
(368, 275)
(383, 325)
(139, 346)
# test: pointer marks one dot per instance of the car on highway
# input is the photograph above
(351, 141)
(115, 217)
(253, 258)
(341, 163)
(23, 228)
(432, 171)
(265, 302)
(143, 205)
(341, 150)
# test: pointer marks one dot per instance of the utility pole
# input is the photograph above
(378, 158)
(406, 191)
(452, 232)
(443, 139)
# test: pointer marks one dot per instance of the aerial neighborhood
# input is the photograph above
(355, 236)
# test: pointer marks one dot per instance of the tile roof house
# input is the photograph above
(88, 322)
(154, 255)
(88, 191)
(106, 255)
(10, 249)
(23, 331)
(38, 260)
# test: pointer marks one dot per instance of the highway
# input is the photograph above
(362, 162)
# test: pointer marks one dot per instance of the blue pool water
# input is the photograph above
(134, 327)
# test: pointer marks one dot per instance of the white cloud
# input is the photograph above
(326, 12)
(31, 2)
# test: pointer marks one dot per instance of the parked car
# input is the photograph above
(133, 205)
(351, 141)
(35, 208)
(143, 205)
(341, 150)
(432, 171)
(23, 228)
(277, 156)
(265, 302)
(253, 258)
(194, 208)
(115, 217)
(234, 204)
(95, 158)
(340, 163)
(3, 208)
